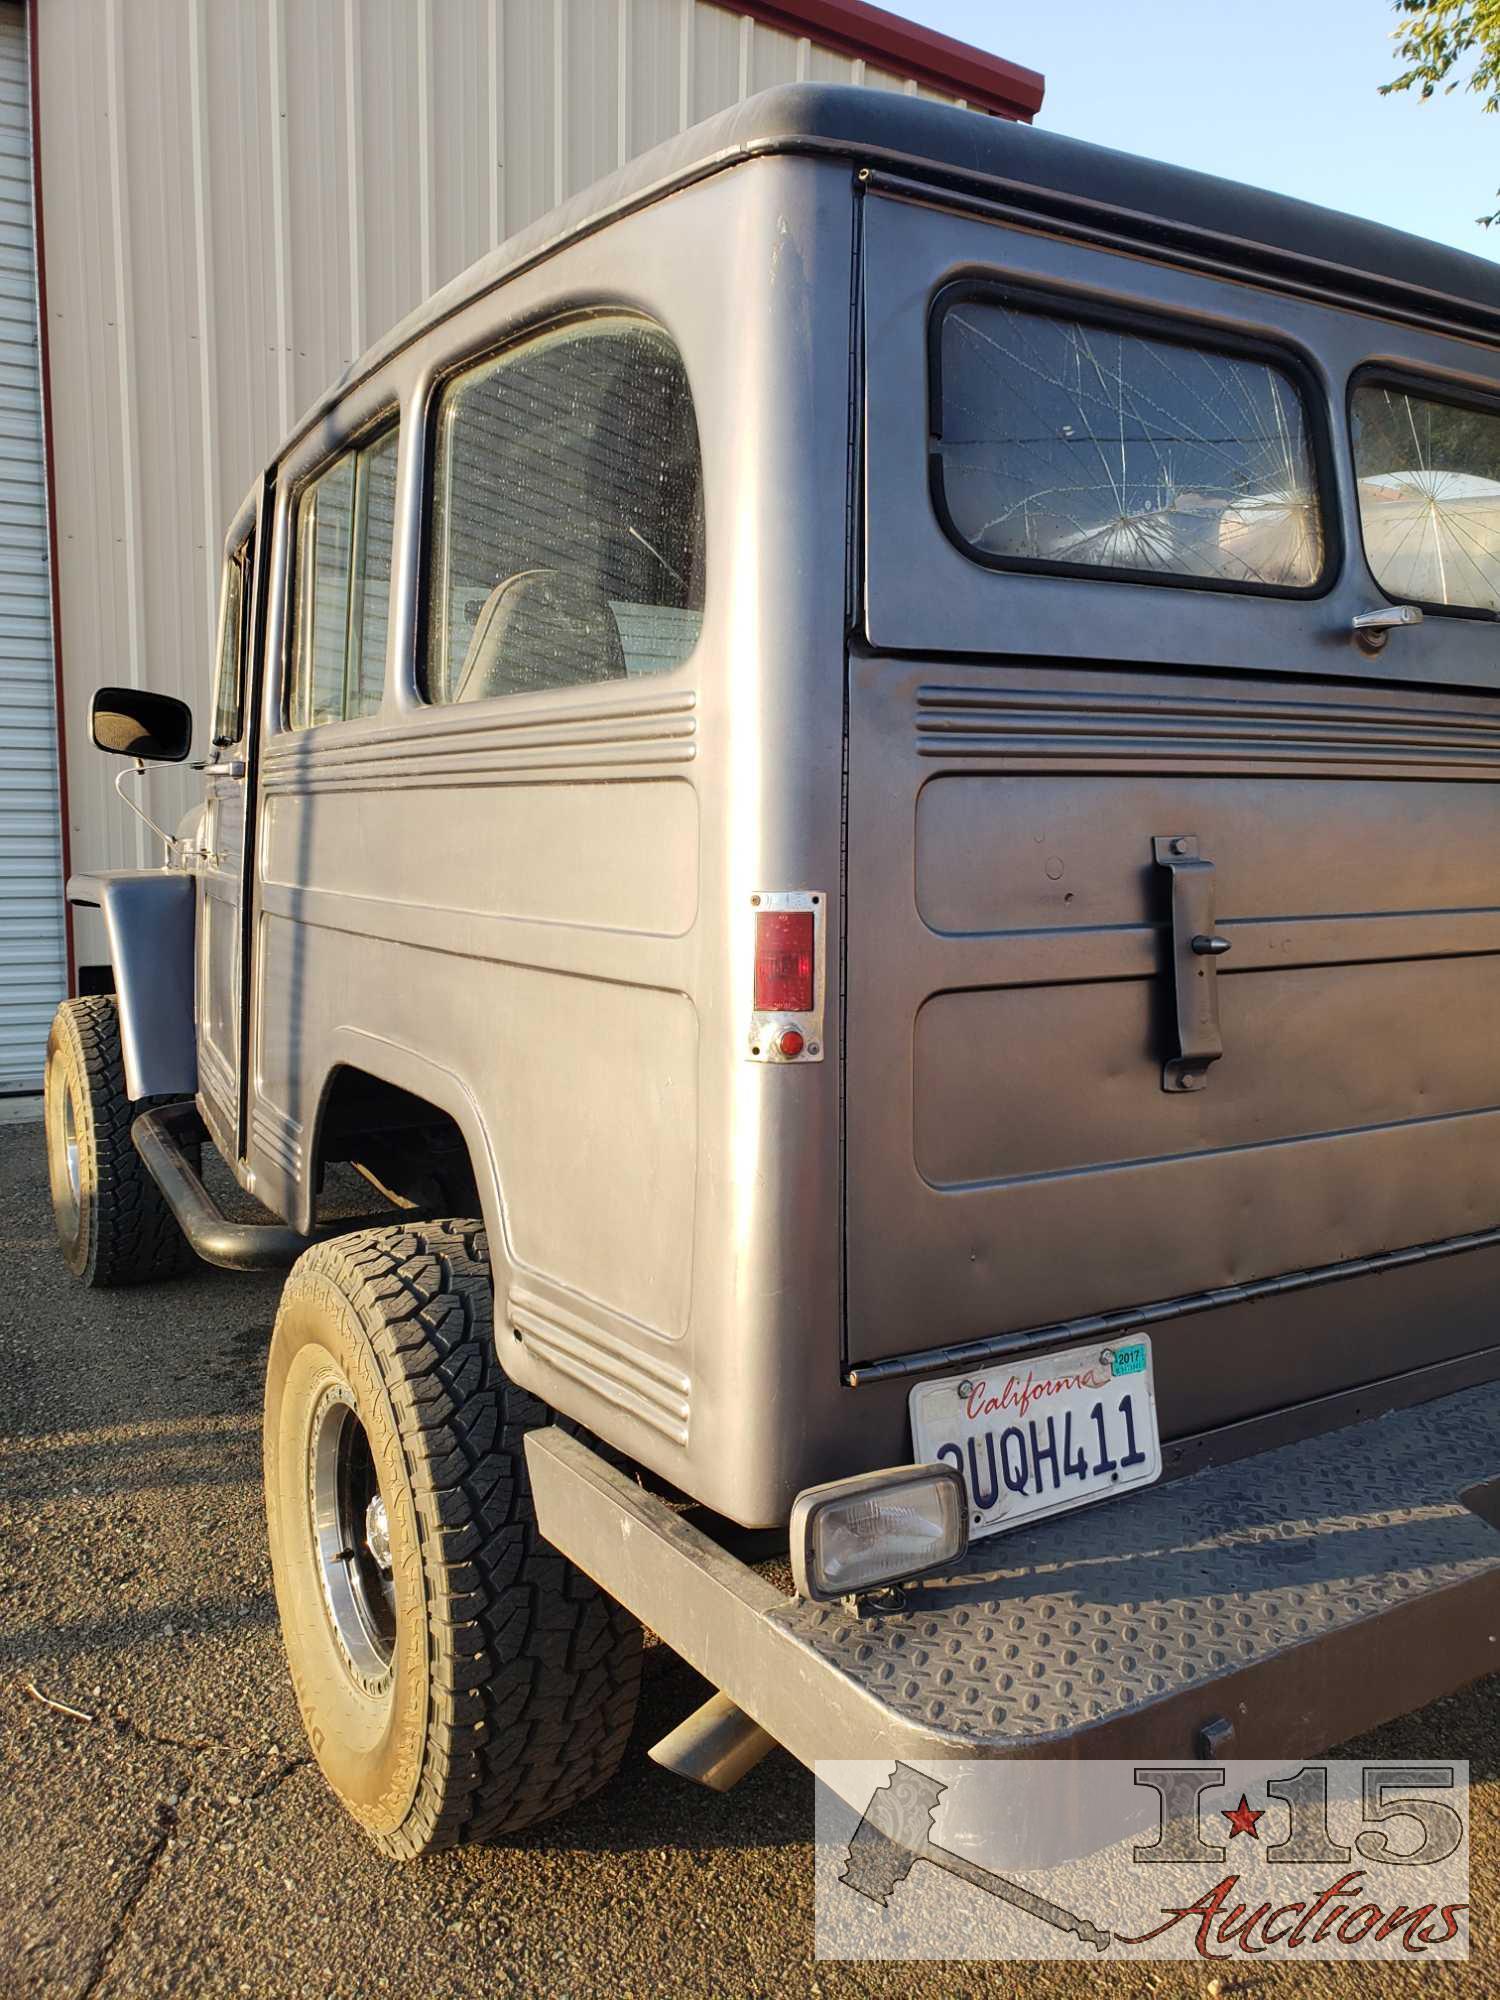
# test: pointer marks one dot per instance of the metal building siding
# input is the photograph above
(33, 966)
(239, 200)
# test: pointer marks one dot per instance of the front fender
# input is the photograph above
(149, 914)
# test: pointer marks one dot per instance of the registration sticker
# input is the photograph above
(1129, 1360)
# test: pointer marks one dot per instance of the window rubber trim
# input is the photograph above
(1184, 331)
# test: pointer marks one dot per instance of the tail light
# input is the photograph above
(786, 1022)
(783, 961)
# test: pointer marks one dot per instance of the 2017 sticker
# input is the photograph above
(1129, 1360)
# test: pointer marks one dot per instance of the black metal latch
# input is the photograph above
(1196, 951)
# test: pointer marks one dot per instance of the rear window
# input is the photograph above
(1069, 446)
(1429, 496)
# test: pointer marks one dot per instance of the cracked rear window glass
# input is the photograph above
(1429, 497)
(1068, 446)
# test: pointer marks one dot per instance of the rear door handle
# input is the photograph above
(1196, 951)
(232, 767)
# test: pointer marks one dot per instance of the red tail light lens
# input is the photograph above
(784, 962)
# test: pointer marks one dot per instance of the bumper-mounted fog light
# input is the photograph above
(878, 1528)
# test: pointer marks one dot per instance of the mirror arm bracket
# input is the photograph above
(137, 768)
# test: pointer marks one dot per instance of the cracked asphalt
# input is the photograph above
(172, 1837)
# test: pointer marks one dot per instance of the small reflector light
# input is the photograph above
(882, 1527)
(789, 1044)
(784, 962)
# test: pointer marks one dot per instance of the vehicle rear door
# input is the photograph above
(1173, 934)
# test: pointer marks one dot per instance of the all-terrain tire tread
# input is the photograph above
(133, 1235)
(535, 1671)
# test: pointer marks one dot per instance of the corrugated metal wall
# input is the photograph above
(239, 199)
(32, 959)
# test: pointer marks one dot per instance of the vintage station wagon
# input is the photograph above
(863, 776)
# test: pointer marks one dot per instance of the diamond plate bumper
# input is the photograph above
(1297, 1596)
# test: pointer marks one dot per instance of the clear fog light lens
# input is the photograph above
(881, 1527)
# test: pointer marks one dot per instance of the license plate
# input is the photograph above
(1040, 1436)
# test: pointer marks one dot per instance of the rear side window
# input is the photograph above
(1078, 448)
(1429, 496)
(567, 517)
(342, 580)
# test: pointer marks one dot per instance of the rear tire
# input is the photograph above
(112, 1223)
(458, 1678)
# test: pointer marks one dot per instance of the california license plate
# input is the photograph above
(1040, 1436)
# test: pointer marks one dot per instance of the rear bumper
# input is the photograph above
(1271, 1607)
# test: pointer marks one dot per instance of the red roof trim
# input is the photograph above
(957, 68)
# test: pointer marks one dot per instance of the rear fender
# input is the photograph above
(149, 915)
(424, 1077)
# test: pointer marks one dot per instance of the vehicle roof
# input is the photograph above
(1084, 188)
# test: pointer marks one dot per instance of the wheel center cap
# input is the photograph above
(378, 1533)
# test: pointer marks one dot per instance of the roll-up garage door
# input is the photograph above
(32, 956)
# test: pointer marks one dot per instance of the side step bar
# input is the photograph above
(161, 1138)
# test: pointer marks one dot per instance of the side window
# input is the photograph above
(567, 519)
(229, 673)
(1429, 496)
(342, 582)
(1059, 444)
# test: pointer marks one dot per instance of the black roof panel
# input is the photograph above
(1069, 182)
(1071, 178)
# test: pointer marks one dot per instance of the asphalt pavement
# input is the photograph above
(172, 1835)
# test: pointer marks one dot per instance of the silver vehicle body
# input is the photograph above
(535, 914)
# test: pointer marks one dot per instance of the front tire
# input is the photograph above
(458, 1678)
(112, 1222)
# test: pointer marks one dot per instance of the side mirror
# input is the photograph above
(131, 722)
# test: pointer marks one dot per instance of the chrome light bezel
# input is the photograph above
(765, 1029)
(815, 1501)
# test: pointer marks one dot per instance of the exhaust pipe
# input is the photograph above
(715, 1746)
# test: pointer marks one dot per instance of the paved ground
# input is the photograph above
(178, 1840)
